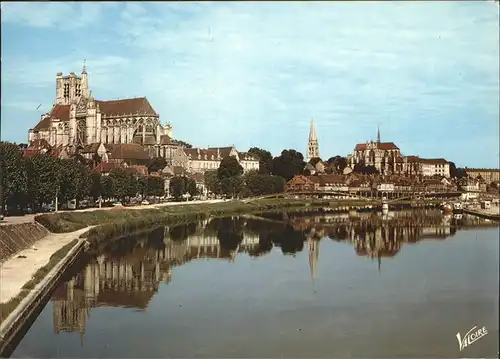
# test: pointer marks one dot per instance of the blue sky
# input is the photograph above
(254, 74)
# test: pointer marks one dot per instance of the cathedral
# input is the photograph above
(77, 120)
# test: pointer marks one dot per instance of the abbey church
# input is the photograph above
(77, 119)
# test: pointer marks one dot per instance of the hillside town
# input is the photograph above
(86, 152)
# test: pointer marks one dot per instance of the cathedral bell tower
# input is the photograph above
(312, 144)
(69, 89)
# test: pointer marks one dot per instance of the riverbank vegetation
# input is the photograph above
(9, 306)
(117, 221)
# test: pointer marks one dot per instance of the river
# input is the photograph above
(285, 285)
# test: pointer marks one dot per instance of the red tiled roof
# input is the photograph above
(209, 154)
(105, 167)
(129, 106)
(39, 144)
(30, 152)
(433, 161)
(379, 145)
(129, 151)
(60, 112)
(334, 179)
(412, 158)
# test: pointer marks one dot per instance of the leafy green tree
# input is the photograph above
(178, 187)
(229, 167)
(74, 180)
(265, 159)
(43, 179)
(361, 168)
(262, 184)
(155, 186)
(314, 161)
(457, 172)
(96, 185)
(107, 187)
(337, 163)
(125, 183)
(156, 164)
(185, 144)
(192, 189)
(232, 186)
(14, 179)
(143, 186)
(212, 182)
(288, 164)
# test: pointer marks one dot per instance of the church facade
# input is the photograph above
(78, 120)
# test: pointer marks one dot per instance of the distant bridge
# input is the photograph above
(377, 196)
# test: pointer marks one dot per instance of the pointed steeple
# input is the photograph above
(84, 70)
(378, 134)
(312, 144)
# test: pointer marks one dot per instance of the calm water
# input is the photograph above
(292, 286)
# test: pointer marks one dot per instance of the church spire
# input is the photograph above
(84, 70)
(378, 134)
(313, 245)
(312, 144)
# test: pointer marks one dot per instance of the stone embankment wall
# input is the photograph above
(16, 237)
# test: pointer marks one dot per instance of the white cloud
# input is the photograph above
(243, 69)
(64, 15)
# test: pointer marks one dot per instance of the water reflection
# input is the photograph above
(129, 271)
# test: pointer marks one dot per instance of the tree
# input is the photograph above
(14, 180)
(125, 183)
(265, 159)
(361, 168)
(182, 185)
(185, 144)
(457, 173)
(107, 187)
(155, 186)
(262, 184)
(232, 186)
(74, 180)
(43, 179)
(288, 164)
(96, 185)
(314, 161)
(338, 163)
(157, 164)
(229, 167)
(211, 181)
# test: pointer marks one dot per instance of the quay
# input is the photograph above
(21, 268)
(491, 213)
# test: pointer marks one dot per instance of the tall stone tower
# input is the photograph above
(312, 144)
(69, 89)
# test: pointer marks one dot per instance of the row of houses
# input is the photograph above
(184, 160)
(364, 184)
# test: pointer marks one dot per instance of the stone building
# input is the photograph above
(384, 156)
(488, 174)
(200, 160)
(77, 119)
(312, 144)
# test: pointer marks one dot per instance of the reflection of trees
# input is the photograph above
(182, 232)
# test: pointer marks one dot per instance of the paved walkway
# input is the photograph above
(15, 272)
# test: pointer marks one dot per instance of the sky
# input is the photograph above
(255, 74)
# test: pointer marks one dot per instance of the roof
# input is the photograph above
(137, 106)
(167, 140)
(105, 167)
(91, 148)
(433, 161)
(210, 154)
(334, 179)
(299, 180)
(224, 151)
(482, 170)
(129, 151)
(379, 145)
(412, 158)
(60, 112)
(39, 144)
(142, 170)
(246, 156)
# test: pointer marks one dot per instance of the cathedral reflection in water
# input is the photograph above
(130, 277)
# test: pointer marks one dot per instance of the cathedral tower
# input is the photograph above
(312, 144)
(69, 89)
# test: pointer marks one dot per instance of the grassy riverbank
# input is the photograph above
(7, 307)
(118, 221)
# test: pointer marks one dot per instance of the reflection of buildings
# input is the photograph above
(133, 279)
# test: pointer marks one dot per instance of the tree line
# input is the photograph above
(38, 180)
